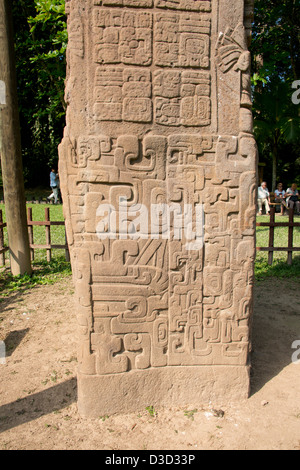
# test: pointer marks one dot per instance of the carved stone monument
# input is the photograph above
(158, 178)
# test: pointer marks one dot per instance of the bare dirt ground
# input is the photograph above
(38, 408)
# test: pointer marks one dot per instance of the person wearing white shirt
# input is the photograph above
(263, 198)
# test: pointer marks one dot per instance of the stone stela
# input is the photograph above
(159, 113)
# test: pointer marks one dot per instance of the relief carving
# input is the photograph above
(159, 199)
(232, 53)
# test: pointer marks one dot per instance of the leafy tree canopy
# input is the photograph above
(41, 41)
(276, 39)
(276, 67)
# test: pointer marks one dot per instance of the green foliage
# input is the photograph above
(40, 44)
(276, 39)
(277, 130)
(277, 118)
(151, 411)
(190, 414)
(256, 78)
(41, 41)
(50, 18)
(276, 65)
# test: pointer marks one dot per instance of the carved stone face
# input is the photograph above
(158, 139)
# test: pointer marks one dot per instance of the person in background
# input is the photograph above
(280, 197)
(292, 198)
(263, 198)
(54, 186)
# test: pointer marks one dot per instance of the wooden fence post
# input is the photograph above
(48, 233)
(30, 232)
(2, 255)
(290, 240)
(271, 234)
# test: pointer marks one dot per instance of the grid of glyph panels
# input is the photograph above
(152, 65)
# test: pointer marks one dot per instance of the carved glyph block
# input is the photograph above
(158, 177)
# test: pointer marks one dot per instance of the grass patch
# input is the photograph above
(279, 268)
(44, 273)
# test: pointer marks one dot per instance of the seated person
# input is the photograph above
(263, 198)
(280, 197)
(292, 198)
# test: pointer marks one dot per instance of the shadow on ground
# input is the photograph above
(13, 340)
(38, 404)
(276, 325)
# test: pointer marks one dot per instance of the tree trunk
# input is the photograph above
(274, 166)
(10, 149)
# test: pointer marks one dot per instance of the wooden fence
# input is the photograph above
(47, 223)
(291, 224)
(48, 246)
